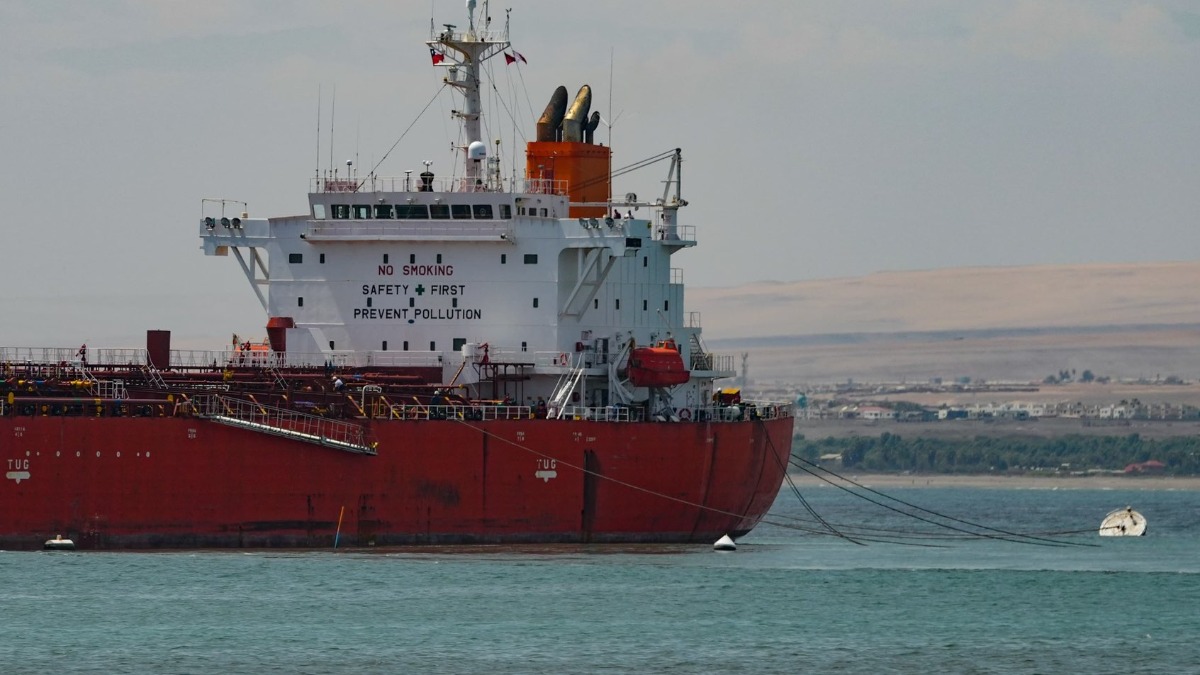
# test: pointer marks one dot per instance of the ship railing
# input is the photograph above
(442, 229)
(65, 356)
(611, 413)
(684, 234)
(707, 361)
(478, 35)
(417, 411)
(741, 412)
(285, 423)
(541, 186)
(275, 360)
(368, 185)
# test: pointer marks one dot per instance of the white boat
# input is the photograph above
(1123, 523)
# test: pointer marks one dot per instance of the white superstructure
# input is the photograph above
(492, 280)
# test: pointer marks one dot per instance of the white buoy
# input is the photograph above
(58, 544)
(725, 543)
(1123, 523)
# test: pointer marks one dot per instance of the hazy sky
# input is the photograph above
(820, 139)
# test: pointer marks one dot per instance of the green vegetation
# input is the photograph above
(1012, 454)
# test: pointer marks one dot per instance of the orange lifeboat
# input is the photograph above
(657, 366)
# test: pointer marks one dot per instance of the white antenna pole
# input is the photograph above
(318, 171)
(332, 114)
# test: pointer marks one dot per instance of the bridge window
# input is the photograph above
(530, 258)
(340, 211)
(460, 211)
(318, 211)
(505, 211)
(295, 258)
(361, 211)
(458, 344)
(383, 211)
(545, 213)
(439, 211)
(412, 211)
(483, 211)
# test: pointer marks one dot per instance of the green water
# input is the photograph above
(786, 601)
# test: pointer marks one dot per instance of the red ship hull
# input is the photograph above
(111, 483)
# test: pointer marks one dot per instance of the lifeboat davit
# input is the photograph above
(657, 366)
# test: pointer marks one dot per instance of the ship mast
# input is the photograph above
(462, 54)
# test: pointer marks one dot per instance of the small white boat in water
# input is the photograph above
(58, 544)
(1123, 523)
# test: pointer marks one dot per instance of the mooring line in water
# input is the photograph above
(804, 465)
(796, 490)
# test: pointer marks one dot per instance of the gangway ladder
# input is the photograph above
(153, 375)
(701, 359)
(566, 385)
(277, 377)
(290, 424)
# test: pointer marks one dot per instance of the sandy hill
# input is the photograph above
(964, 299)
(1121, 320)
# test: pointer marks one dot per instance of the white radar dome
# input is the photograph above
(477, 150)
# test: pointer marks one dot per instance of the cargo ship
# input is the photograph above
(462, 359)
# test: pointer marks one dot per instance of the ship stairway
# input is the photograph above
(566, 384)
(154, 376)
(297, 426)
(701, 359)
(277, 377)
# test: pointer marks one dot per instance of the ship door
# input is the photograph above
(591, 475)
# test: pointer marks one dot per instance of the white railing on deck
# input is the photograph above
(269, 359)
(457, 184)
(680, 233)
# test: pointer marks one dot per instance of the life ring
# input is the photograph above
(685, 414)
(563, 359)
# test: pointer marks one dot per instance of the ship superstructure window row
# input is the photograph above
(417, 211)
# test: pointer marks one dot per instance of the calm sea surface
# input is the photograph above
(786, 601)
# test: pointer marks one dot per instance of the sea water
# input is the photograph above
(786, 601)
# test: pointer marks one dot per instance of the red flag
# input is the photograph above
(509, 59)
(518, 55)
(435, 56)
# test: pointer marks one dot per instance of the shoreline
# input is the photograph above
(877, 480)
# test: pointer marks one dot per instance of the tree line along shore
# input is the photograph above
(1003, 449)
